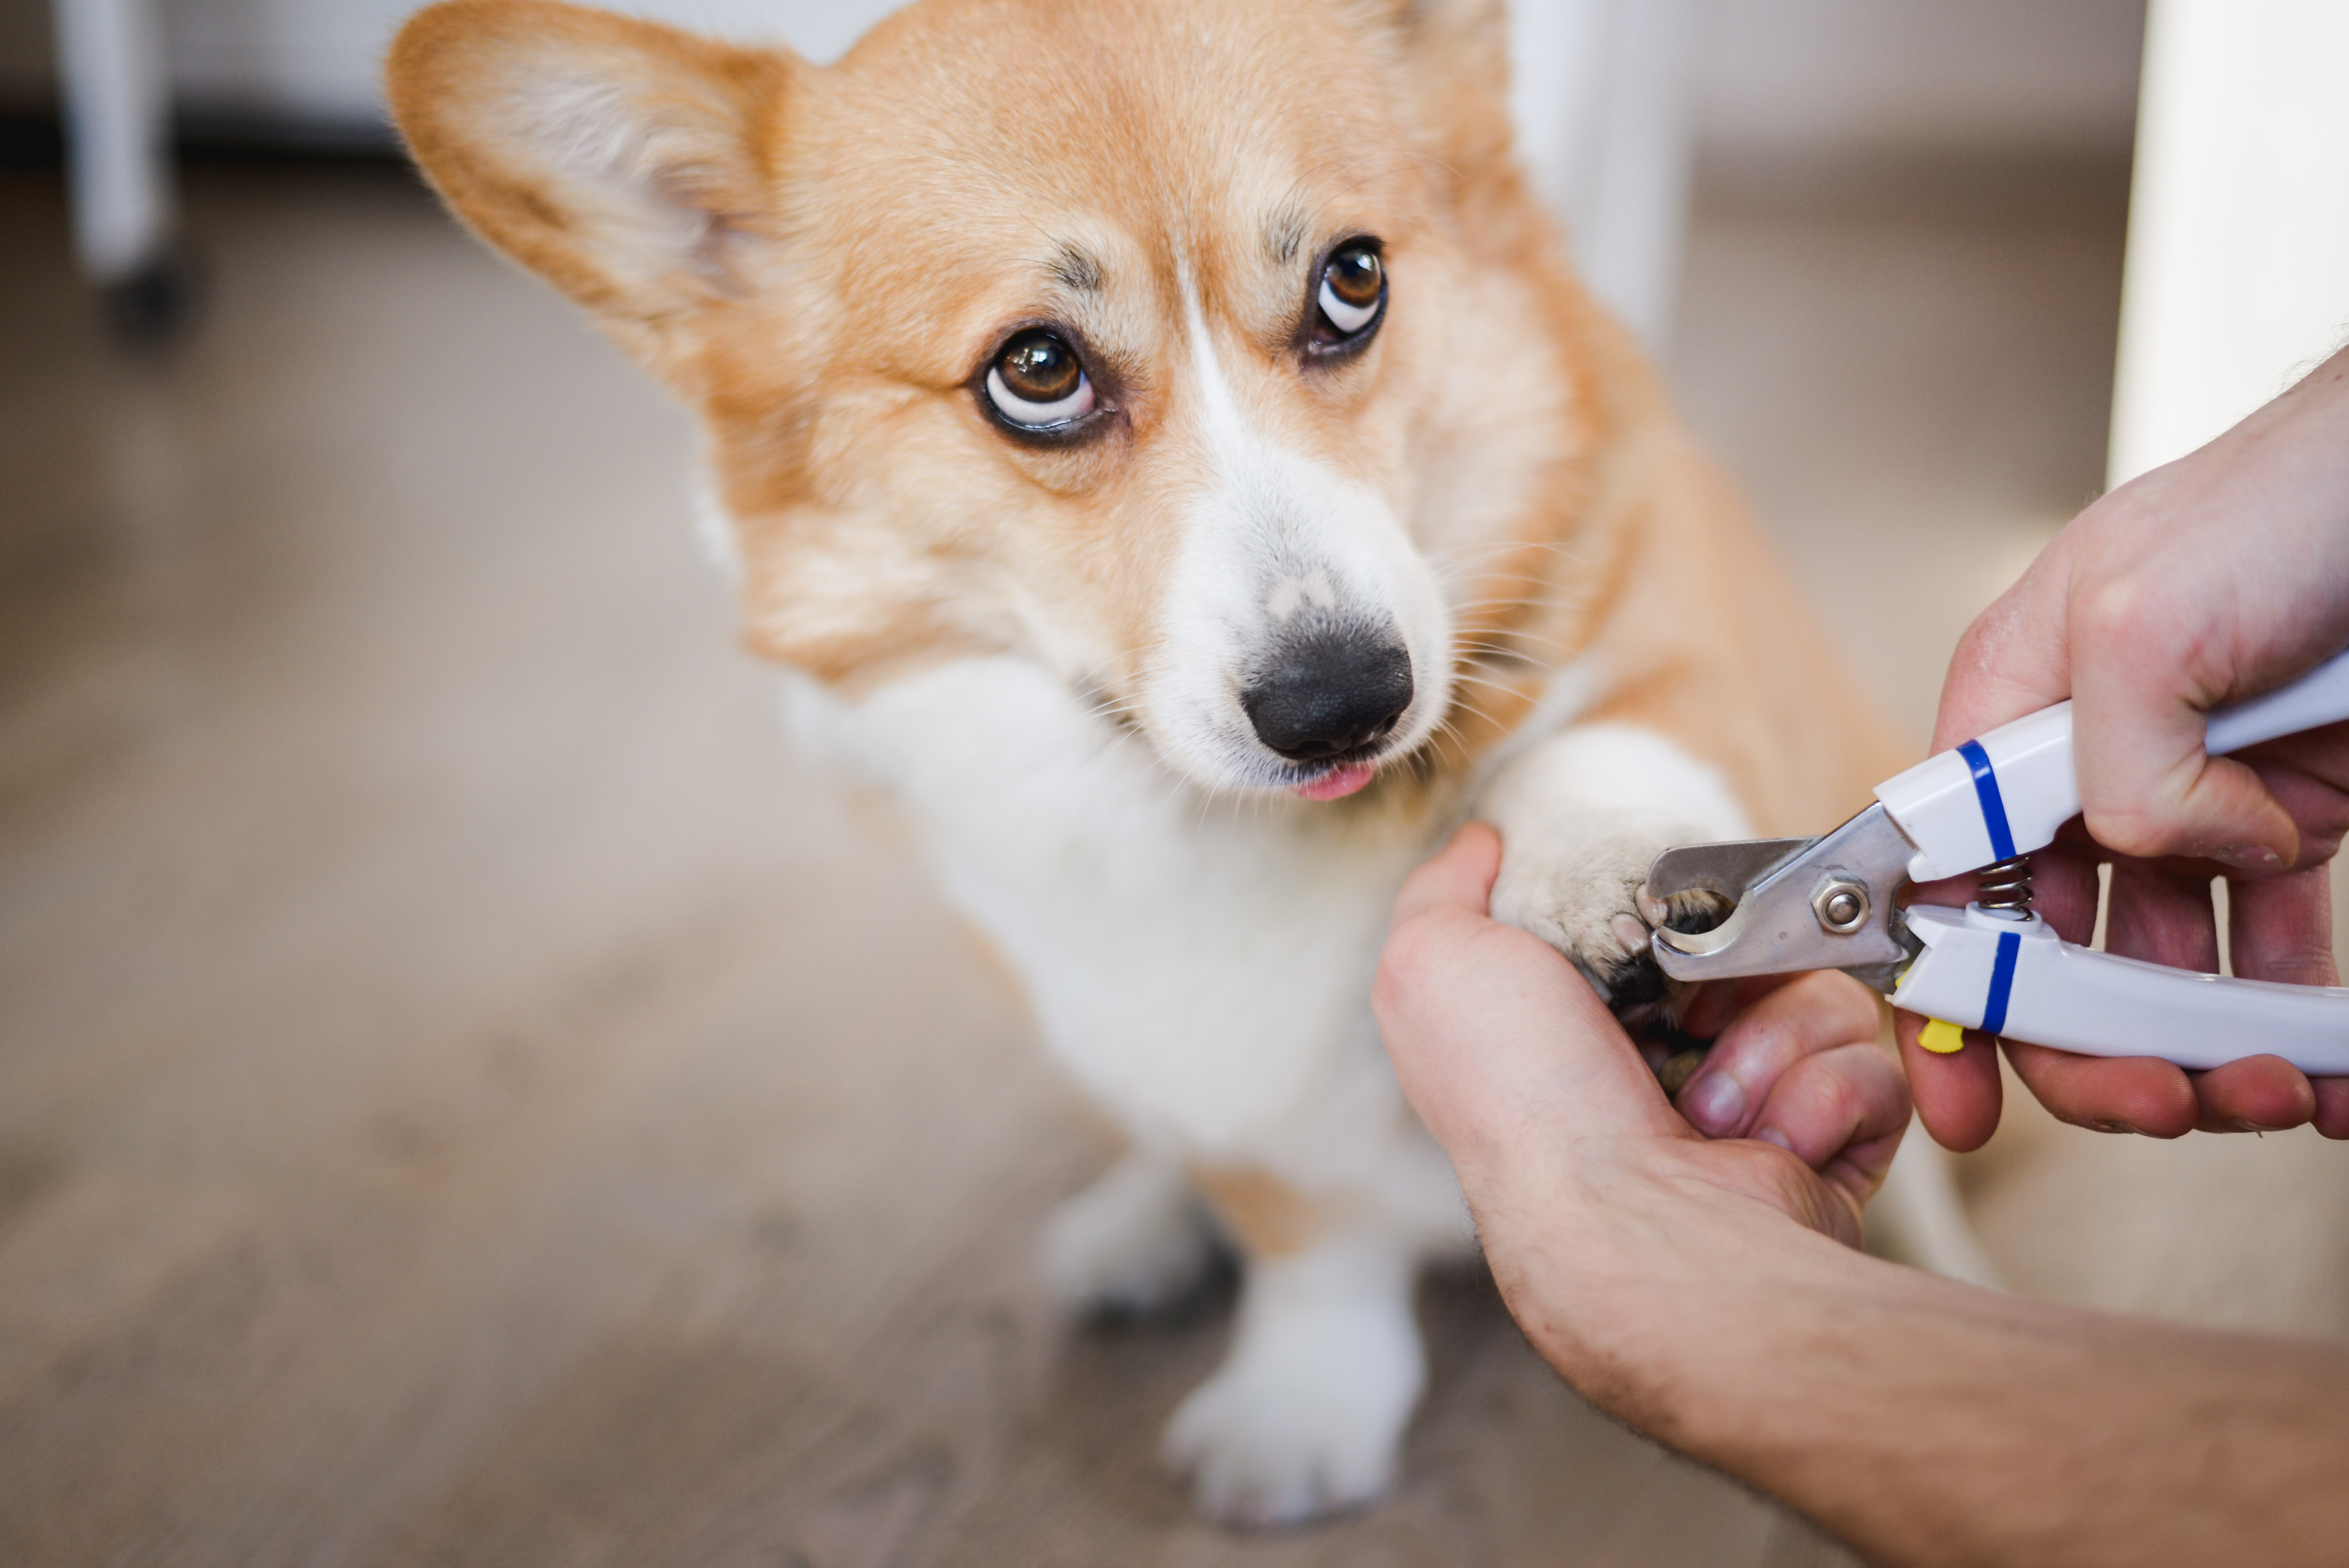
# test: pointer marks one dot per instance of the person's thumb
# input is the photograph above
(1499, 1043)
(1460, 876)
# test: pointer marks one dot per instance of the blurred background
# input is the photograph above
(467, 1095)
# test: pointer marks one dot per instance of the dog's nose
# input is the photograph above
(1329, 694)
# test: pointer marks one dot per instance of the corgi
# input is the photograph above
(1164, 442)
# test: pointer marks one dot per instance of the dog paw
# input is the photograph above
(1307, 1416)
(1135, 1241)
(1587, 900)
(1265, 1449)
(1583, 816)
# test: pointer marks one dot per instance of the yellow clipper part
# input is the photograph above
(1941, 1036)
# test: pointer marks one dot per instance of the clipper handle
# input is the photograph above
(2019, 979)
(2007, 793)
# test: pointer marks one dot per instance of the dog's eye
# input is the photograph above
(1037, 383)
(1354, 288)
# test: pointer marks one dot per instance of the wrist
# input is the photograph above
(1625, 1285)
(1675, 1303)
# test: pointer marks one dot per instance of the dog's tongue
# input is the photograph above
(1338, 783)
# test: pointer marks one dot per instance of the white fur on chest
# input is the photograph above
(1203, 967)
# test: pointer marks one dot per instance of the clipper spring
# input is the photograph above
(2005, 885)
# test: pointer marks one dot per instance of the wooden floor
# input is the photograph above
(468, 1097)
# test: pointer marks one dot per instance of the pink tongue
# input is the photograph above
(1338, 783)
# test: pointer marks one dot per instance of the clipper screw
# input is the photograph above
(1841, 906)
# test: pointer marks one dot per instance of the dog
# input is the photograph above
(1165, 442)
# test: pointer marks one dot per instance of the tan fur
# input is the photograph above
(1268, 1217)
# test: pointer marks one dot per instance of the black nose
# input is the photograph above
(1330, 693)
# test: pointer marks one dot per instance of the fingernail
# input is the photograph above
(2245, 1124)
(1714, 1103)
(2111, 1124)
(2250, 858)
(1771, 1135)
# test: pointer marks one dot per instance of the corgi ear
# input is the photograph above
(1449, 59)
(626, 162)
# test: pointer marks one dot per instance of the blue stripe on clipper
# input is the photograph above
(2001, 980)
(1993, 805)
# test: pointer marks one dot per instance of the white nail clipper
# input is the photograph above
(1827, 903)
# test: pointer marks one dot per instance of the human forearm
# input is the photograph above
(1930, 1422)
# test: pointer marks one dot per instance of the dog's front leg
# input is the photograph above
(1136, 1241)
(1306, 1416)
(1583, 816)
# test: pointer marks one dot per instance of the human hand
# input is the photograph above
(2215, 578)
(1578, 1171)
